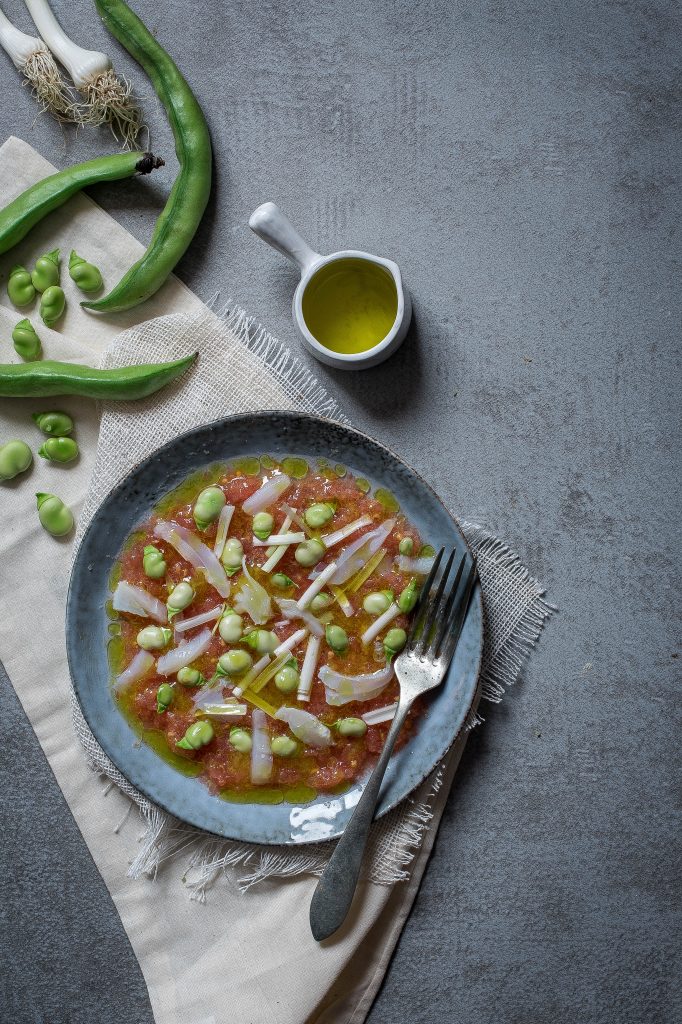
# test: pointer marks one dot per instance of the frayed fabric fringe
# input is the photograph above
(515, 611)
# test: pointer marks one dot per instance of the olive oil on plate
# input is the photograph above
(350, 305)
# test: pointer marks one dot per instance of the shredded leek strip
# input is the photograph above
(268, 673)
(305, 681)
(316, 586)
(379, 624)
(251, 675)
(298, 519)
(379, 715)
(221, 710)
(342, 600)
(258, 702)
(279, 540)
(293, 641)
(224, 521)
(330, 539)
(364, 574)
(280, 552)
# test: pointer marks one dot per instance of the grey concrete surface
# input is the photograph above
(521, 162)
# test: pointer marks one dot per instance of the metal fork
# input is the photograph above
(435, 630)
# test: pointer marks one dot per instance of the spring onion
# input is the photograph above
(182, 625)
(32, 57)
(142, 663)
(108, 97)
(267, 495)
(380, 715)
(330, 539)
(269, 672)
(196, 553)
(389, 615)
(291, 642)
(261, 754)
(280, 539)
(252, 674)
(358, 553)
(364, 574)
(297, 518)
(184, 654)
(316, 586)
(305, 682)
(418, 566)
(342, 601)
(136, 601)
(278, 553)
(224, 520)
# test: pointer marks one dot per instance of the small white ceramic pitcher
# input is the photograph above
(370, 283)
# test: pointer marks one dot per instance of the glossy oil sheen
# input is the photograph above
(280, 434)
(350, 305)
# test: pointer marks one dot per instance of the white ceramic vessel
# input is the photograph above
(270, 224)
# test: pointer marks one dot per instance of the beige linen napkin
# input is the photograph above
(238, 957)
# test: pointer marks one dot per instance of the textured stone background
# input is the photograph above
(520, 160)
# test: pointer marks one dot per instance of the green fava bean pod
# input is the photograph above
(55, 424)
(354, 727)
(184, 209)
(15, 458)
(286, 679)
(319, 514)
(208, 506)
(20, 288)
(197, 735)
(153, 563)
(394, 641)
(154, 638)
(283, 746)
(240, 739)
(164, 697)
(46, 272)
(54, 515)
(309, 552)
(230, 627)
(337, 638)
(59, 449)
(26, 341)
(262, 526)
(52, 305)
(123, 383)
(84, 274)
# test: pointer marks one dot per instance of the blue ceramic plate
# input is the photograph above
(278, 434)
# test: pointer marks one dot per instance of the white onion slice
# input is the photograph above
(141, 664)
(305, 680)
(181, 625)
(267, 495)
(189, 547)
(316, 586)
(358, 553)
(290, 610)
(341, 689)
(261, 755)
(305, 727)
(330, 539)
(279, 539)
(184, 654)
(389, 615)
(379, 715)
(253, 599)
(224, 520)
(136, 601)
(417, 566)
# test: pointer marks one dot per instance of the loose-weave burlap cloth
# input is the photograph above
(245, 953)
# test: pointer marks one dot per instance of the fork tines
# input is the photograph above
(440, 613)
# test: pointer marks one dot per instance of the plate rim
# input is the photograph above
(264, 415)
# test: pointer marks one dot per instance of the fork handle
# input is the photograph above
(335, 890)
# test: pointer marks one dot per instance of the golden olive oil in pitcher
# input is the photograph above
(350, 305)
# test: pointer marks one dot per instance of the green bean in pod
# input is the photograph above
(179, 220)
(28, 380)
(28, 209)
